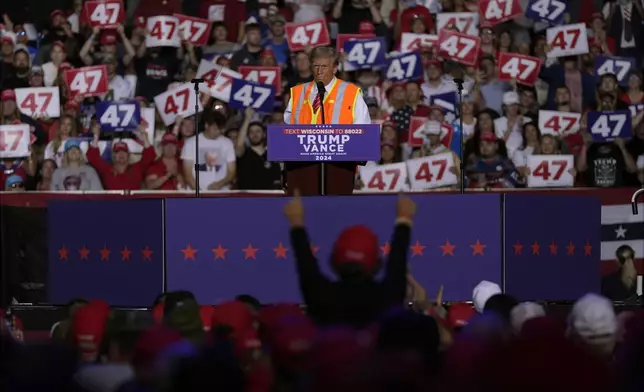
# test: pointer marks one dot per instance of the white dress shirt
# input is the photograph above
(361, 111)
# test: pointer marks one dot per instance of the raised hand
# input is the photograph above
(294, 210)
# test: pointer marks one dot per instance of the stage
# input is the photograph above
(127, 251)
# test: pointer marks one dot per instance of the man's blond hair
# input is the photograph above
(324, 52)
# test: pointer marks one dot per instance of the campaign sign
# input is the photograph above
(260, 97)
(309, 143)
(218, 262)
(366, 53)
(404, 67)
(121, 261)
(118, 116)
(606, 126)
(448, 102)
(546, 11)
(552, 259)
(636, 108)
(618, 66)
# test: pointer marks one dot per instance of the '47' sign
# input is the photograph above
(568, 40)
(499, 11)
(299, 36)
(87, 81)
(263, 75)
(118, 116)
(546, 11)
(606, 126)
(524, 69)
(619, 66)
(459, 47)
(404, 67)
(260, 97)
(104, 13)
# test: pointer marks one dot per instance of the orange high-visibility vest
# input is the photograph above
(339, 103)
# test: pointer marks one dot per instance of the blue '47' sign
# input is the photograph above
(619, 66)
(260, 97)
(404, 67)
(547, 11)
(365, 53)
(606, 126)
(118, 116)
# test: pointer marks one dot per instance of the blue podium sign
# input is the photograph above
(354, 142)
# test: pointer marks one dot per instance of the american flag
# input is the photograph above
(620, 227)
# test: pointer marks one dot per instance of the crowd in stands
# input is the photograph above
(356, 333)
(505, 123)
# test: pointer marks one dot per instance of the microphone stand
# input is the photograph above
(321, 92)
(459, 85)
(196, 83)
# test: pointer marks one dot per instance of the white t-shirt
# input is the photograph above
(515, 138)
(55, 155)
(119, 89)
(308, 10)
(214, 157)
(520, 157)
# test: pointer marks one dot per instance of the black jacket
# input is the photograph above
(355, 301)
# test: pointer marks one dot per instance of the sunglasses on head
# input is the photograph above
(18, 185)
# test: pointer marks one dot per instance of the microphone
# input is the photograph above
(321, 88)
(198, 81)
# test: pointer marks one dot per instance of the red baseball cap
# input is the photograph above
(460, 314)
(59, 44)
(169, 138)
(234, 314)
(205, 311)
(366, 27)
(8, 95)
(120, 146)
(357, 244)
(56, 13)
(109, 37)
(488, 137)
(88, 326)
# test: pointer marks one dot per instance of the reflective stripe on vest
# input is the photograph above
(300, 102)
(337, 105)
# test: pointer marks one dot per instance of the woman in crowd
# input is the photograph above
(74, 174)
(68, 128)
(46, 174)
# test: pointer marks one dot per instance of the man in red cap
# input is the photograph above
(121, 175)
(165, 172)
(356, 298)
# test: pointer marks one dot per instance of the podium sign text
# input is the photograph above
(324, 143)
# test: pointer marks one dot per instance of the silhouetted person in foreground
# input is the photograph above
(356, 298)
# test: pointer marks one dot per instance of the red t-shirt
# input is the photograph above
(626, 98)
(234, 13)
(159, 169)
(131, 179)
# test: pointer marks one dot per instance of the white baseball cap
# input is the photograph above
(510, 98)
(523, 312)
(593, 319)
(482, 292)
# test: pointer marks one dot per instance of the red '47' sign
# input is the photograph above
(87, 81)
(525, 69)
(499, 11)
(299, 36)
(263, 75)
(194, 30)
(459, 47)
(105, 13)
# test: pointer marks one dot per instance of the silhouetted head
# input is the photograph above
(355, 253)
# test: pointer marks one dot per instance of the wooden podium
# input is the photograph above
(305, 176)
(305, 148)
